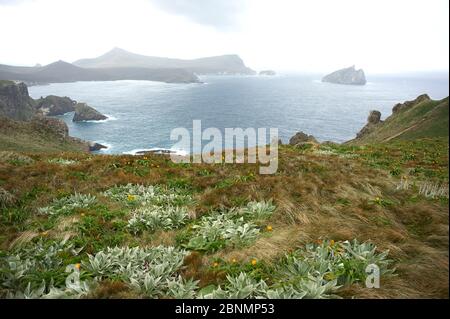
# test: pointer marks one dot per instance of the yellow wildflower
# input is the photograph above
(78, 266)
(269, 228)
(131, 198)
(254, 262)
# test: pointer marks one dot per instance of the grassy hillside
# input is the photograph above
(199, 227)
(426, 118)
(26, 137)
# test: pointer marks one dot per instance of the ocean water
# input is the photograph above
(142, 114)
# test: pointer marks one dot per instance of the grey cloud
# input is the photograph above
(217, 13)
(11, 2)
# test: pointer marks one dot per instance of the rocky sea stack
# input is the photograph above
(348, 76)
(84, 112)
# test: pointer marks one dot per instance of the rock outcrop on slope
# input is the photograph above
(373, 121)
(15, 103)
(301, 138)
(54, 105)
(84, 112)
(348, 76)
(419, 118)
(401, 107)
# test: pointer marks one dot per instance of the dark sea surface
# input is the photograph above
(142, 114)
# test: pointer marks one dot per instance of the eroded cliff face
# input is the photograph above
(15, 103)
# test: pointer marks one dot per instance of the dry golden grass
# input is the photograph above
(23, 238)
(268, 247)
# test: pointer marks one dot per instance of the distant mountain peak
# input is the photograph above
(60, 64)
(117, 50)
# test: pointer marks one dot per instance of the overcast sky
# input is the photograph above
(285, 35)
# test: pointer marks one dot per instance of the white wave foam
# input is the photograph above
(157, 150)
(109, 118)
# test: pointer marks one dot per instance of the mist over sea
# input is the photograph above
(144, 113)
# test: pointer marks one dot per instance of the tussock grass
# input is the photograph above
(318, 197)
(6, 198)
(14, 158)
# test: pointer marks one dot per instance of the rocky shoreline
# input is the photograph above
(16, 105)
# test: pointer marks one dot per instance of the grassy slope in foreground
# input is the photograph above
(422, 119)
(394, 195)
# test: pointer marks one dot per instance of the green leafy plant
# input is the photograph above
(258, 210)
(66, 205)
(25, 270)
(343, 262)
(150, 271)
(152, 218)
(239, 287)
(315, 272)
(147, 195)
(62, 161)
(227, 227)
(218, 230)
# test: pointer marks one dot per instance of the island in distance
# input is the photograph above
(119, 58)
(119, 64)
(348, 76)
